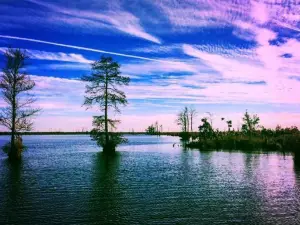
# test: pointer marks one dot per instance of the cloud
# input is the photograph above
(158, 49)
(160, 68)
(61, 100)
(81, 48)
(243, 66)
(269, 67)
(189, 15)
(259, 12)
(54, 56)
(118, 20)
(67, 66)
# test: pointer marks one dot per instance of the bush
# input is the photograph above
(230, 141)
(185, 136)
(114, 139)
(18, 145)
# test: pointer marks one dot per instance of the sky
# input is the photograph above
(222, 57)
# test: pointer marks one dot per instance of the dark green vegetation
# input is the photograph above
(15, 85)
(154, 129)
(102, 91)
(252, 137)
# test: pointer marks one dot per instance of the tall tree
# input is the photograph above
(193, 114)
(102, 90)
(251, 123)
(210, 118)
(205, 130)
(183, 119)
(15, 85)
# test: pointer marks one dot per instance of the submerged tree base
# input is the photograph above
(109, 149)
(114, 139)
(16, 153)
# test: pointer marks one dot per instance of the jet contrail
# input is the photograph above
(83, 48)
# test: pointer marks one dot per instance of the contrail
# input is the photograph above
(82, 48)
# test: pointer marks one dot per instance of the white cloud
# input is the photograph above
(270, 67)
(61, 100)
(54, 56)
(158, 49)
(81, 48)
(119, 20)
(259, 12)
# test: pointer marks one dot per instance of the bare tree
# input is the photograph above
(183, 119)
(15, 85)
(210, 117)
(193, 114)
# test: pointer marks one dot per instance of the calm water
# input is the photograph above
(63, 179)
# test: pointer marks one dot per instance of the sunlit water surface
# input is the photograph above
(64, 179)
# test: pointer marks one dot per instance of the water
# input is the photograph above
(63, 179)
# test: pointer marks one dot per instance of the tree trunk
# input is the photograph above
(13, 151)
(188, 122)
(109, 147)
(105, 148)
(191, 123)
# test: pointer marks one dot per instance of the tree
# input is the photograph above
(102, 91)
(183, 120)
(15, 85)
(205, 130)
(210, 117)
(156, 127)
(251, 123)
(192, 113)
(150, 129)
(228, 122)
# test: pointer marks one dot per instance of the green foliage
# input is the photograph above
(287, 140)
(249, 138)
(18, 145)
(154, 129)
(114, 139)
(185, 136)
(151, 129)
(205, 130)
(102, 85)
(251, 123)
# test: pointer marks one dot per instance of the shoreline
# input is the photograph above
(87, 133)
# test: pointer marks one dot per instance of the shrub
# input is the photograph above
(18, 145)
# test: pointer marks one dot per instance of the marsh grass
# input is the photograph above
(283, 140)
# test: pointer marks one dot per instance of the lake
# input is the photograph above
(64, 179)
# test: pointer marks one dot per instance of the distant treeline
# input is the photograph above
(87, 133)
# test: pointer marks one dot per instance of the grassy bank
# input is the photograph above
(280, 140)
(288, 142)
(284, 142)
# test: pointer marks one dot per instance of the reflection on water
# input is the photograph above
(64, 179)
(104, 199)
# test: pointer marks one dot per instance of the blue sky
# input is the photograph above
(217, 56)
